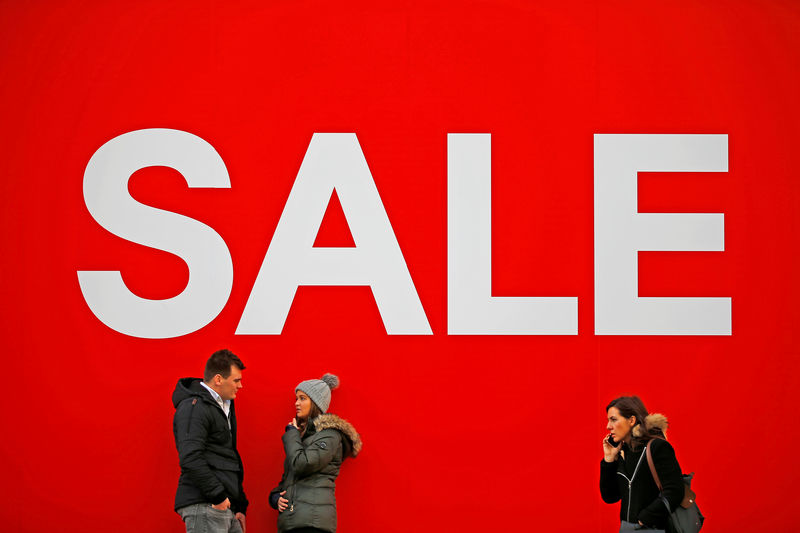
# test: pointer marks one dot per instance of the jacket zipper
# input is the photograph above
(294, 493)
(189, 425)
(630, 483)
(294, 490)
(290, 492)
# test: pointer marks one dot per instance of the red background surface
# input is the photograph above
(461, 433)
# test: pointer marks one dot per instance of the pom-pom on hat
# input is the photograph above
(319, 390)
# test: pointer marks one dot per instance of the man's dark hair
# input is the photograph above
(220, 363)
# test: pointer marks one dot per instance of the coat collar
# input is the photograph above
(331, 421)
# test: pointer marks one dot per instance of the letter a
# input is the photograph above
(334, 161)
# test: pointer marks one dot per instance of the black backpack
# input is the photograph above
(687, 518)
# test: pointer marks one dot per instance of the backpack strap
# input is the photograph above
(655, 475)
(653, 466)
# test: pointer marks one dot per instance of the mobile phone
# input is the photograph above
(611, 440)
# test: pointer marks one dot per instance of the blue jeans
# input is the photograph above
(202, 518)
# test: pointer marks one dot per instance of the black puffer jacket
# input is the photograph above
(310, 470)
(211, 469)
(640, 498)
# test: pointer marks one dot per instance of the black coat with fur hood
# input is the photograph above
(310, 470)
(640, 498)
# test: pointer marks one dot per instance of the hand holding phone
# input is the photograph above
(610, 449)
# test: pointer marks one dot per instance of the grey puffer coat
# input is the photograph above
(310, 470)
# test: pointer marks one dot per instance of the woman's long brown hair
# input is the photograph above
(313, 413)
(629, 406)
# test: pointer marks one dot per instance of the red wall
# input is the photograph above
(461, 433)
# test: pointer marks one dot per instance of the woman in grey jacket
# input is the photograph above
(316, 443)
(624, 472)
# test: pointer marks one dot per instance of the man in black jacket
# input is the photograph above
(210, 496)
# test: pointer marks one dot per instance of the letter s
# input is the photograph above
(105, 191)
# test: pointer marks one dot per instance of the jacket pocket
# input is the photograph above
(220, 463)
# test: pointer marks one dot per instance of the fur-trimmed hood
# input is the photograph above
(654, 422)
(331, 421)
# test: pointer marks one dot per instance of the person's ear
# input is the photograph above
(632, 421)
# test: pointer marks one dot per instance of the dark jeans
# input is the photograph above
(624, 527)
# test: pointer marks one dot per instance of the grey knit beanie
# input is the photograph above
(319, 390)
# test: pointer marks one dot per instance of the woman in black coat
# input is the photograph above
(624, 471)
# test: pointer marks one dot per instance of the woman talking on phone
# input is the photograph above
(624, 472)
(316, 443)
